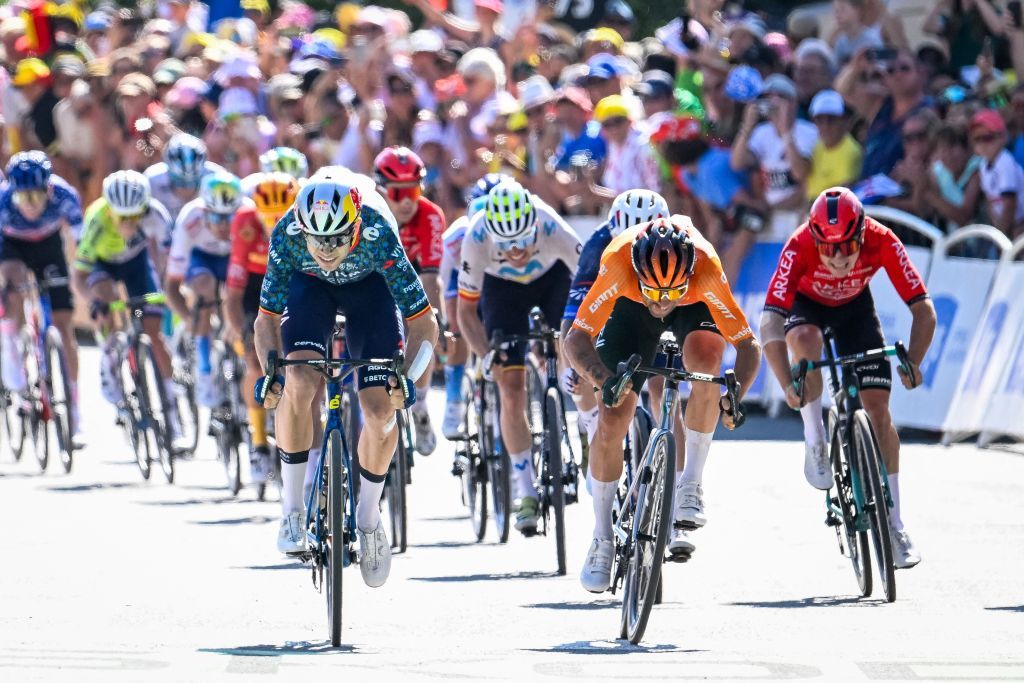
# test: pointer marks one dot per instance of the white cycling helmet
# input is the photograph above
(634, 207)
(510, 213)
(326, 206)
(221, 192)
(127, 193)
(185, 156)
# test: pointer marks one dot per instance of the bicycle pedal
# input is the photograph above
(832, 520)
(685, 525)
(679, 556)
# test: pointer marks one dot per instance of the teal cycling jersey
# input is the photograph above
(377, 249)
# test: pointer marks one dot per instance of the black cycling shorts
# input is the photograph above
(632, 329)
(856, 328)
(45, 259)
(505, 305)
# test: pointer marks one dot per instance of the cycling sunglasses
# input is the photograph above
(397, 193)
(30, 197)
(521, 244)
(831, 249)
(218, 217)
(130, 216)
(328, 243)
(655, 294)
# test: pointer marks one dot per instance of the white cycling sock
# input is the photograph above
(291, 487)
(588, 418)
(698, 444)
(814, 425)
(368, 505)
(603, 493)
(522, 473)
(314, 458)
(895, 520)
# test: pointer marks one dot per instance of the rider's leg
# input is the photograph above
(457, 352)
(702, 352)
(101, 288)
(876, 403)
(294, 428)
(14, 274)
(316, 415)
(806, 343)
(204, 286)
(515, 430)
(377, 443)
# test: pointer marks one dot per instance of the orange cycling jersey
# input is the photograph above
(616, 279)
(249, 245)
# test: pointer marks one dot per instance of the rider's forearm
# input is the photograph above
(233, 311)
(266, 336)
(472, 328)
(432, 286)
(922, 329)
(175, 299)
(777, 355)
(748, 362)
(80, 283)
(419, 332)
(582, 354)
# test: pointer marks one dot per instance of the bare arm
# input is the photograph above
(472, 327)
(175, 299)
(1005, 220)
(993, 22)
(922, 329)
(582, 355)
(234, 313)
(420, 331)
(462, 30)
(748, 363)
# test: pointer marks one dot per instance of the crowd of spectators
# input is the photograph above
(735, 117)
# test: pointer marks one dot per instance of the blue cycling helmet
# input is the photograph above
(477, 195)
(185, 156)
(28, 171)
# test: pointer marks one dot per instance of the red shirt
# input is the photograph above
(421, 236)
(249, 246)
(800, 270)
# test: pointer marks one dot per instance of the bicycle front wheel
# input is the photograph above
(58, 390)
(853, 543)
(16, 424)
(651, 520)
(394, 489)
(151, 386)
(870, 465)
(336, 538)
(498, 470)
(474, 474)
(555, 485)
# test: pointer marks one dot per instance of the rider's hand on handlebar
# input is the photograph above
(608, 392)
(793, 399)
(268, 391)
(731, 417)
(913, 380)
(400, 400)
(570, 381)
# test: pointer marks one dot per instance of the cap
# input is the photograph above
(611, 107)
(426, 132)
(69, 65)
(815, 46)
(496, 6)
(655, 84)
(752, 24)
(29, 71)
(604, 35)
(236, 102)
(242, 64)
(262, 6)
(777, 84)
(97, 21)
(743, 83)
(535, 91)
(425, 41)
(186, 93)
(575, 95)
(779, 44)
(285, 87)
(605, 66)
(827, 103)
(988, 119)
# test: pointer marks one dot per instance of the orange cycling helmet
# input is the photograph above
(664, 256)
(275, 193)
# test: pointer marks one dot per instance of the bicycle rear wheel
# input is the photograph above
(493, 451)
(185, 395)
(535, 397)
(555, 485)
(877, 506)
(336, 540)
(15, 423)
(650, 525)
(36, 426)
(151, 387)
(133, 412)
(854, 542)
(474, 473)
(58, 392)
(394, 490)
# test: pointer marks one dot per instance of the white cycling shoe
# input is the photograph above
(454, 420)
(426, 441)
(206, 390)
(291, 538)
(689, 498)
(904, 553)
(374, 555)
(817, 468)
(681, 542)
(597, 567)
(109, 386)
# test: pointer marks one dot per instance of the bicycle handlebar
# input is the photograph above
(137, 301)
(800, 370)
(329, 367)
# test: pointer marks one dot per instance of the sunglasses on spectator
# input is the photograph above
(656, 294)
(328, 243)
(831, 249)
(614, 122)
(397, 193)
(903, 68)
(985, 139)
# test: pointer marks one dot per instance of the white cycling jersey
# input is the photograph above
(192, 231)
(556, 241)
(162, 189)
(451, 254)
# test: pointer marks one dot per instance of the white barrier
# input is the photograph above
(995, 348)
(959, 288)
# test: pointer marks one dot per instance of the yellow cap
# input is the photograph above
(29, 71)
(346, 14)
(257, 5)
(333, 36)
(604, 35)
(611, 107)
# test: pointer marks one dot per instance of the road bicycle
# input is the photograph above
(331, 507)
(229, 421)
(557, 481)
(42, 412)
(143, 408)
(643, 513)
(858, 504)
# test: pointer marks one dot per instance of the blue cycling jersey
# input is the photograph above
(64, 206)
(377, 250)
(586, 271)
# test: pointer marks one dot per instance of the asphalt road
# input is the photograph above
(104, 577)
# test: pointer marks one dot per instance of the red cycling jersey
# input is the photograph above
(421, 236)
(800, 270)
(249, 246)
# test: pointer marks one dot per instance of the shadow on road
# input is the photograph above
(297, 648)
(201, 487)
(253, 519)
(610, 647)
(193, 501)
(483, 577)
(19, 475)
(821, 601)
(96, 486)
(446, 518)
(454, 544)
(1007, 608)
(582, 606)
(273, 567)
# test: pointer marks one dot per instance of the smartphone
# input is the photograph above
(765, 108)
(882, 54)
(1014, 8)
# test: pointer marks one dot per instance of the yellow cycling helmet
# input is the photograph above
(274, 194)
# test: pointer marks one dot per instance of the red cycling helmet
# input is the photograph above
(663, 253)
(398, 165)
(837, 216)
